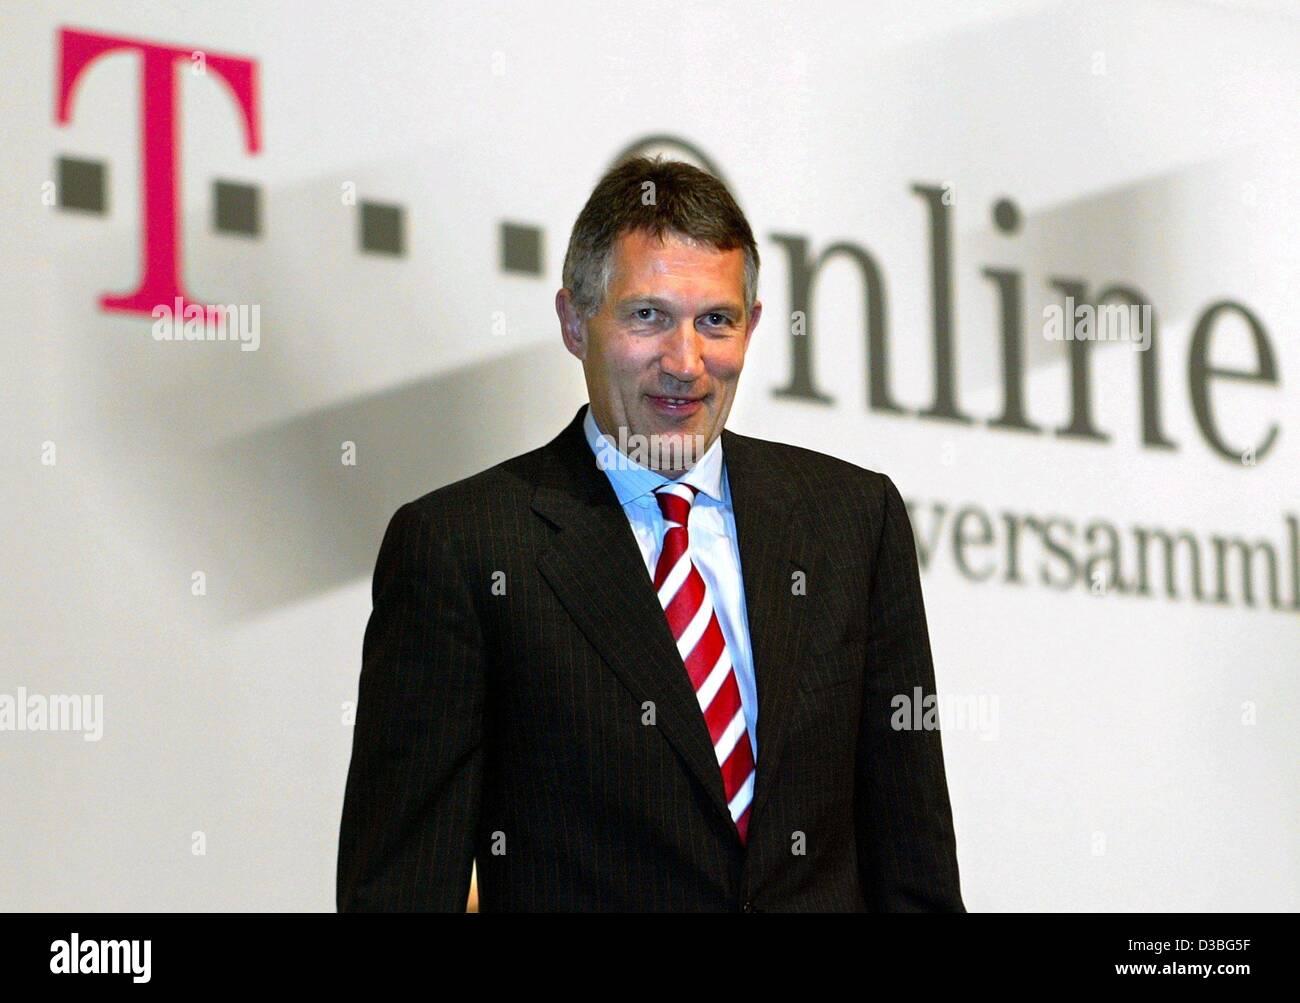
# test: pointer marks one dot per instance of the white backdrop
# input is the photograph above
(1135, 753)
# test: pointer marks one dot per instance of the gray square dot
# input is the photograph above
(82, 185)
(521, 249)
(382, 228)
(235, 208)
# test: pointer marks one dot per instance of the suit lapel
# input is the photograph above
(596, 569)
(773, 543)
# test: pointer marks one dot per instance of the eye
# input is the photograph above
(717, 319)
(644, 313)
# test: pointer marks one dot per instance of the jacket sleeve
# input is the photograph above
(907, 854)
(411, 806)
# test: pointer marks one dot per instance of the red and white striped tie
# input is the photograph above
(691, 617)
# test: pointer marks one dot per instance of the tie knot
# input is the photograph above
(675, 501)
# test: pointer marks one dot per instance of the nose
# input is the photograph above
(682, 358)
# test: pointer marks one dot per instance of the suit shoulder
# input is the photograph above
(817, 470)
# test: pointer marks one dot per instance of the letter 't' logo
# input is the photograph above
(160, 230)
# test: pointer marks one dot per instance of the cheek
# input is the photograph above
(629, 361)
(613, 359)
(727, 363)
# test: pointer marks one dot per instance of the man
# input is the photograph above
(650, 665)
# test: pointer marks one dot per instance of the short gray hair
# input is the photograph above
(685, 202)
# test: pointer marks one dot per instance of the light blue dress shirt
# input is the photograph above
(713, 545)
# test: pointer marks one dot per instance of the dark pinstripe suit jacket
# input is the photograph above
(517, 649)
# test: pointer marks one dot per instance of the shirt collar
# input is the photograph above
(631, 480)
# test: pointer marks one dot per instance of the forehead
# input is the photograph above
(643, 260)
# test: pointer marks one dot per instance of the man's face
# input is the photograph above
(673, 328)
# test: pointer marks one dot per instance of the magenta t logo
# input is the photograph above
(160, 238)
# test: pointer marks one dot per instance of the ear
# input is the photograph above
(573, 329)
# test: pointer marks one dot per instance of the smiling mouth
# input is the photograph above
(675, 406)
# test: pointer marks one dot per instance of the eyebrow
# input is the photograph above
(662, 304)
